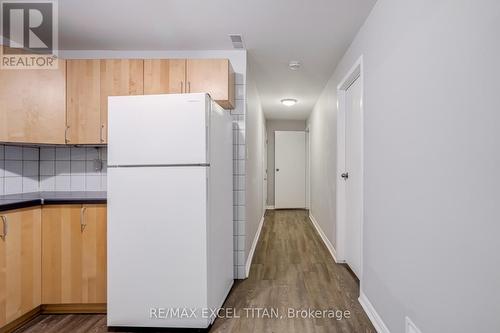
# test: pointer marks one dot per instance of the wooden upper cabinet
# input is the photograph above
(83, 114)
(119, 77)
(213, 76)
(20, 263)
(70, 104)
(164, 76)
(74, 254)
(33, 105)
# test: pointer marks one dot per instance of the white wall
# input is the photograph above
(323, 161)
(432, 143)
(271, 127)
(255, 140)
(238, 59)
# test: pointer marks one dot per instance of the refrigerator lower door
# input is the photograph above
(157, 246)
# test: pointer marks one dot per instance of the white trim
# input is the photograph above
(308, 167)
(264, 167)
(372, 314)
(271, 207)
(325, 239)
(254, 245)
(355, 73)
(410, 326)
(153, 54)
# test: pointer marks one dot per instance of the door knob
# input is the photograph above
(345, 175)
(277, 169)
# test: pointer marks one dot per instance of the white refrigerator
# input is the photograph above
(170, 229)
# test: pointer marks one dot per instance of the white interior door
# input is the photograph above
(354, 180)
(290, 169)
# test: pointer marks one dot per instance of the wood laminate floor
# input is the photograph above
(291, 269)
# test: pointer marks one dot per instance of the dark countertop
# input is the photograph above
(23, 200)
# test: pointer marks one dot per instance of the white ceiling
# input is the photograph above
(315, 32)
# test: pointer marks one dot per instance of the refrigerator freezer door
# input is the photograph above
(157, 245)
(158, 129)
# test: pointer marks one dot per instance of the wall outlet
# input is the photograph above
(410, 327)
(97, 165)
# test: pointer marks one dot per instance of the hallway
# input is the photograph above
(291, 269)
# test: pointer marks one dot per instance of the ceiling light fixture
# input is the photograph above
(294, 65)
(289, 101)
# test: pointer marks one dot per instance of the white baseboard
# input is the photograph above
(323, 237)
(254, 245)
(270, 207)
(376, 320)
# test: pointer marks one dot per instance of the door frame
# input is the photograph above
(308, 168)
(354, 74)
(265, 171)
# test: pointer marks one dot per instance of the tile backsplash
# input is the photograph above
(239, 176)
(31, 169)
(73, 169)
(18, 169)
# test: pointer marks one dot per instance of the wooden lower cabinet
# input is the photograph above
(20, 263)
(74, 254)
(94, 255)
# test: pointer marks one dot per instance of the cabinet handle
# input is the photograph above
(189, 86)
(66, 140)
(100, 133)
(82, 219)
(4, 226)
(182, 87)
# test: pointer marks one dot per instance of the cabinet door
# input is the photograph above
(213, 76)
(33, 105)
(61, 254)
(94, 255)
(83, 102)
(119, 77)
(20, 263)
(164, 76)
